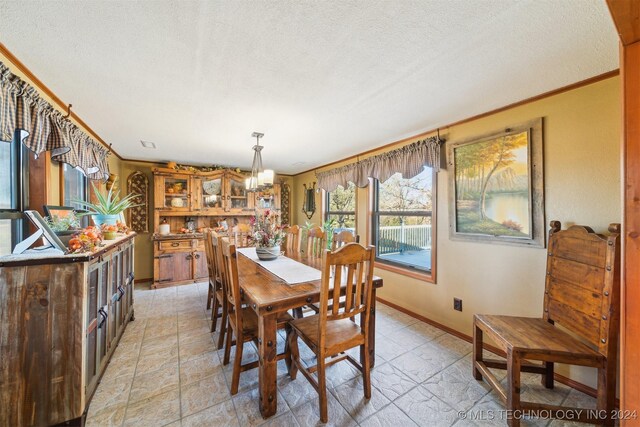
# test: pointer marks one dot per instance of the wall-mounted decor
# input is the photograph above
(138, 216)
(285, 201)
(309, 200)
(496, 187)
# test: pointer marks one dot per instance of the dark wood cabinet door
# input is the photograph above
(183, 266)
(103, 312)
(115, 267)
(174, 267)
(164, 268)
(200, 265)
(91, 326)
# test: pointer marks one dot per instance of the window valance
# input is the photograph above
(408, 160)
(43, 128)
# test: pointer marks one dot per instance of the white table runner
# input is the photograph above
(287, 269)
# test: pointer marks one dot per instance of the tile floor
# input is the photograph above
(166, 372)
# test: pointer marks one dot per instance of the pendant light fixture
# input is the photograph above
(260, 178)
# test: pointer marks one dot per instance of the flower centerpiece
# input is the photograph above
(267, 234)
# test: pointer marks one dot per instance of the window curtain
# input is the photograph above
(44, 128)
(408, 160)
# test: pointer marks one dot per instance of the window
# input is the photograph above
(76, 187)
(340, 206)
(14, 164)
(403, 226)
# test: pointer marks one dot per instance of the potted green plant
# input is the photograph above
(64, 225)
(108, 207)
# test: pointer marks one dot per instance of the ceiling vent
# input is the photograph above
(148, 144)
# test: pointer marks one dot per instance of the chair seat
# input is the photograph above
(340, 334)
(533, 336)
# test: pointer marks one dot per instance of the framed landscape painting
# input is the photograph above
(496, 187)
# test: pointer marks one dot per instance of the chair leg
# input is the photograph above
(547, 377)
(287, 348)
(210, 294)
(366, 370)
(297, 313)
(606, 392)
(477, 351)
(322, 388)
(292, 343)
(214, 314)
(513, 388)
(227, 349)
(237, 364)
(224, 325)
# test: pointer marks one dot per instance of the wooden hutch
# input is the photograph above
(61, 317)
(206, 199)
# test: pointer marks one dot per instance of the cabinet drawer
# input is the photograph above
(174, 245)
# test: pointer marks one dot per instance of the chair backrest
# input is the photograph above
(230, 276)
(350, 266)
(316, 242)
(293, 236)
(240, 238)
(212, 262)
(582, 291)
(342, 238)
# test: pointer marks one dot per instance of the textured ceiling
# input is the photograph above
(322, 79)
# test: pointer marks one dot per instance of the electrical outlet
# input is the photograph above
(457, 304)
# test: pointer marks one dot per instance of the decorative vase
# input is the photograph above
(268, 254)
(109, 235)
(99, 219)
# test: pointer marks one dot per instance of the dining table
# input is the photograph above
(269, 295)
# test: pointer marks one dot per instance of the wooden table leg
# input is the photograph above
(372, 332)
(267, 350)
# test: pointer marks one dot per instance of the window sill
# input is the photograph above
(426, 277)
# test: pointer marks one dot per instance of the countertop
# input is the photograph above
(55, 256)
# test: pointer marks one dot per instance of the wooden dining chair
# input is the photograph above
(215, 296)
(316, 242)
(211, 293)
(342, 238)
(293, 236)
(220, 303)
(339, 239)
(333, 330)
(243, 321)
(582, 295)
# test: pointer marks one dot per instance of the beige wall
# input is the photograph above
(582, 186)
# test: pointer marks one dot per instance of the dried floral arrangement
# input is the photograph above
(267, 232)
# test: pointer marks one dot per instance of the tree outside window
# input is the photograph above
(402, 221)
(341, 208)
